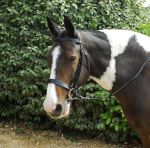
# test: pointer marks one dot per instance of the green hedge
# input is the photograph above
(24, 42)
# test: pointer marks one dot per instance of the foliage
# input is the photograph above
(145, 29)
(24, 42)
(101, 115)
(146, 13)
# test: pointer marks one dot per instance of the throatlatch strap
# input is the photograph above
(76, 78)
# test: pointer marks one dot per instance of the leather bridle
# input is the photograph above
(75, 81)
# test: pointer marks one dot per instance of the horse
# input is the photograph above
(111, 57)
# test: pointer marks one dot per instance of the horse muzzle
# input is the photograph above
(59, 110)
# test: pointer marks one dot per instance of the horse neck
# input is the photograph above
(98, 50)
(108, 68)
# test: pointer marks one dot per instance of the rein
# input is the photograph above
(121, 88)
(133, 78)
(72, 87)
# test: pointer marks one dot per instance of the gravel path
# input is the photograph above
(26, 138)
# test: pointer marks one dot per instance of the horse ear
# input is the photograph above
(54, 29)
(69, 26)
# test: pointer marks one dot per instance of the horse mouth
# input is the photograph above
(53, 116)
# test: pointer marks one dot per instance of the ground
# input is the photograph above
(14, 137)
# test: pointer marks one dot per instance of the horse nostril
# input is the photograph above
(57, 110)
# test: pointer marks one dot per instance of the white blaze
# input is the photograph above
(51, 96)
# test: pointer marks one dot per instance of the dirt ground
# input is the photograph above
(11, 137)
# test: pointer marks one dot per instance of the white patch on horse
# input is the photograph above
(118, 40)
(143, 41)
(51, 96)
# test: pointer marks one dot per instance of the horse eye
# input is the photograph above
(70, 59)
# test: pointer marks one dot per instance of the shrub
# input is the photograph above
(145, 29)
(25, 40)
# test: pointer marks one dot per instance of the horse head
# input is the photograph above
(69, 67)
